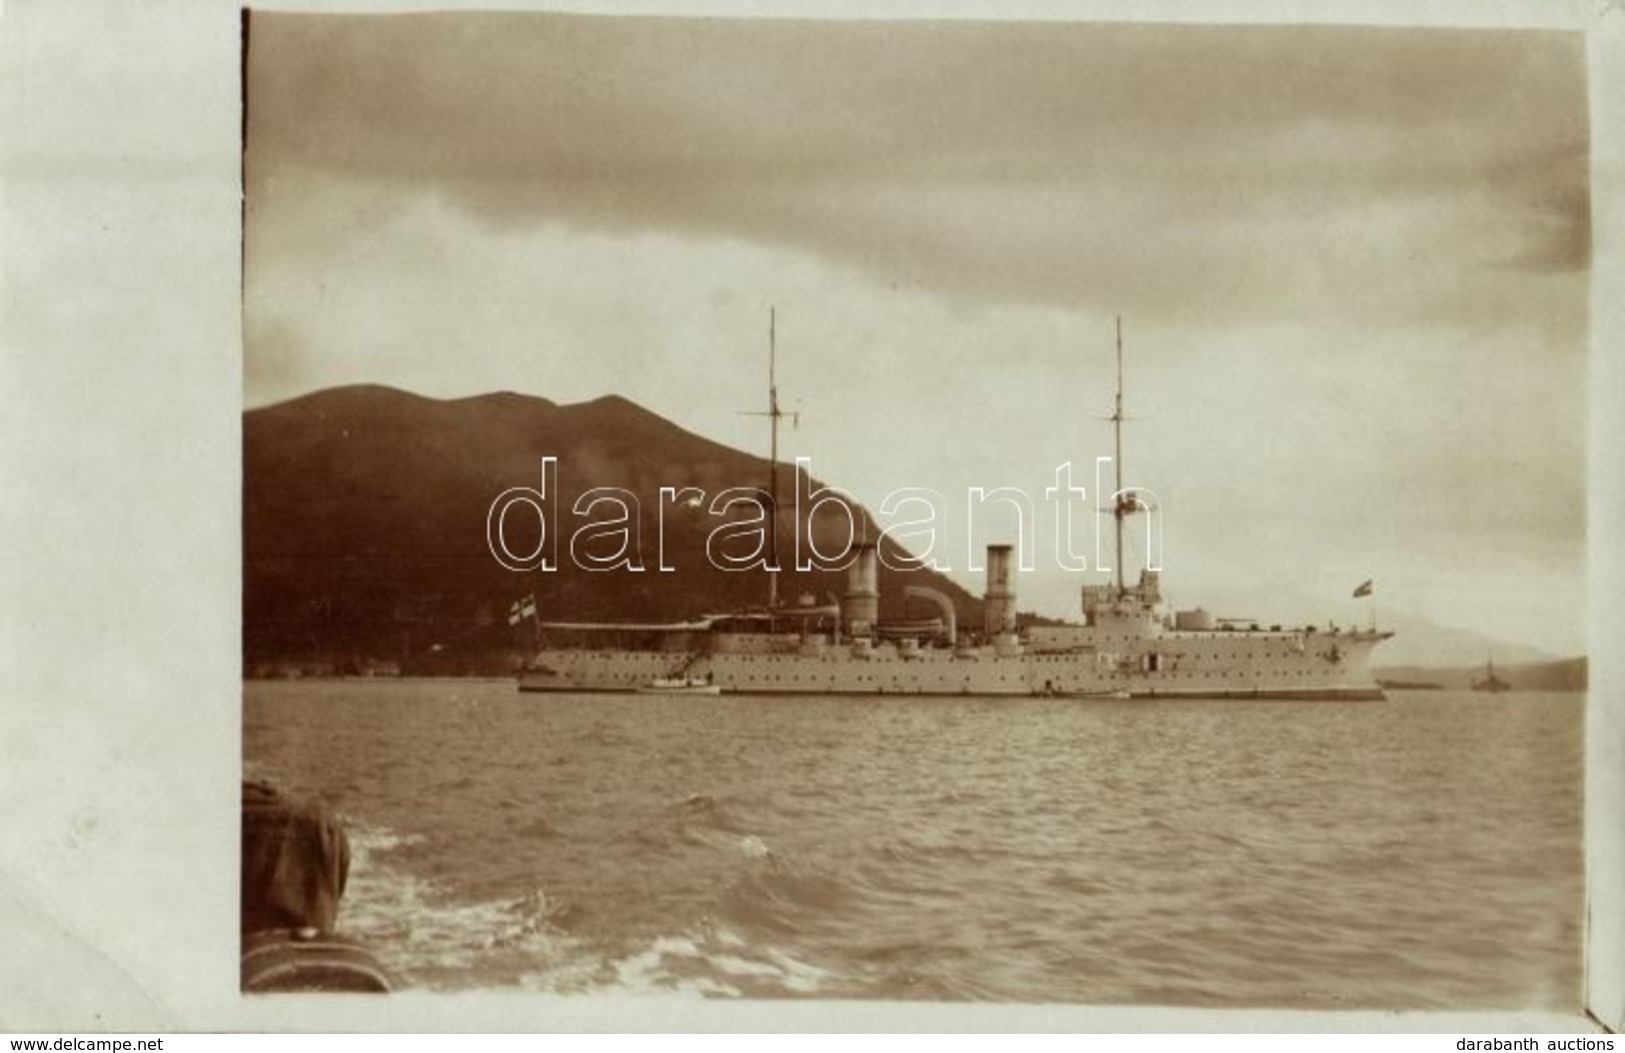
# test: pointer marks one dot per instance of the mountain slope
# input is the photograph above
(1418, 642)
(364, 524)
(1569, 674)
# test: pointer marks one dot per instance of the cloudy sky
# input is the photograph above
(1351, 265)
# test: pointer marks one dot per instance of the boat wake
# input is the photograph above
(426, 936)
(709, 961)
(431, 939)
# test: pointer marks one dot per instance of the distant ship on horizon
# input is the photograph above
(1489, 682)
(1125, 647)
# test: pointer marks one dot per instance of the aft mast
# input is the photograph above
(773, 415)
(1122, 507)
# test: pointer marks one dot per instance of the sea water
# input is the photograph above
(1423, 852)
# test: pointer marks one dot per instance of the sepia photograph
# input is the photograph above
(954, 511)
(549, 518)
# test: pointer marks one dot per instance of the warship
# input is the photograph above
(1489, 682)
(1127, 645)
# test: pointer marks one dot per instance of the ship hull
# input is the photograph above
(1334, 694)
(1226, 665)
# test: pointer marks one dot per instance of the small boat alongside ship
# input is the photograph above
(1126, 646)
(679, 685)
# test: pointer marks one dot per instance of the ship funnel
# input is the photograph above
(860, 610)
(999, 601)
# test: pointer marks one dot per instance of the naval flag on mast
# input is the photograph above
(524, 607)
(1363, 590)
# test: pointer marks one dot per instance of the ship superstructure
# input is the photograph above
(1126, 646)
